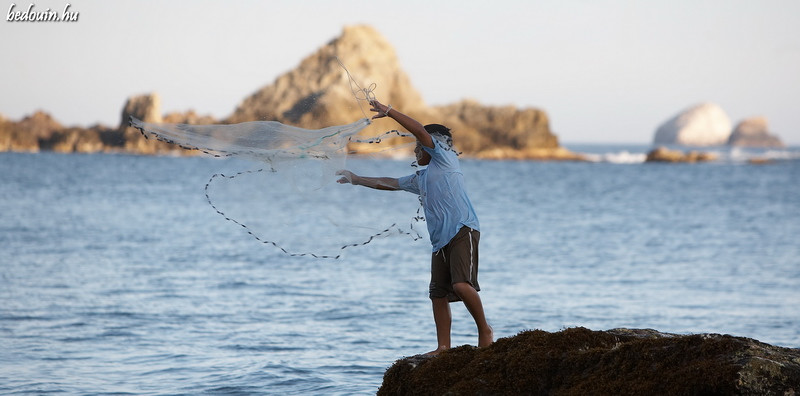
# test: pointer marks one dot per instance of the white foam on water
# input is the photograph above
(723, 154)
(622, 157)
(738, 154)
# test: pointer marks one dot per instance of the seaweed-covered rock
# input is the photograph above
(580, 361)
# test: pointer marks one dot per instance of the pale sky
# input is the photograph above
(604, 71)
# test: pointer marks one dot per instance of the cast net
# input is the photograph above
(278, 182)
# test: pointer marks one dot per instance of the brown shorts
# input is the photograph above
(455, 262)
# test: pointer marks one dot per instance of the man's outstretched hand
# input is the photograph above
(347, 176)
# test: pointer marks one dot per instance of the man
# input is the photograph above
(451, 219)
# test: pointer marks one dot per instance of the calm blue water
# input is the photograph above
(116, 277)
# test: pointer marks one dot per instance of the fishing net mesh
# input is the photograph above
(279, 184)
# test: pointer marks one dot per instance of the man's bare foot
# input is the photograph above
(486, 337)
(437, 351)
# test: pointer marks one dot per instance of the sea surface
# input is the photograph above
(117, 277)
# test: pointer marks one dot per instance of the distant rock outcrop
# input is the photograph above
(753, 132)
(39, 125)
(189, 117)
(41, 132)
(663, 154)
(579, 361)
(79, 140)
(702, 125)
(516, 128)
(26, 134)
(483, 130)
(148, 109)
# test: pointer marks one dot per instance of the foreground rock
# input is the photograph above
(579, 361)
(754, 132)
(663, 154)
(705, 124)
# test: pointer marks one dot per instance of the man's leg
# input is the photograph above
(472, 301)
(443, 319)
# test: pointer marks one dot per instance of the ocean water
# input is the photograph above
(116, 277)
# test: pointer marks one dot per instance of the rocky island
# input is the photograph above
(313, 95)
(707, 124)
(580, 361)
(754, 132)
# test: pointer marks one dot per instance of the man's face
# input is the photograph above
(423, 158)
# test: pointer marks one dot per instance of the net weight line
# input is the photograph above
(413, 233)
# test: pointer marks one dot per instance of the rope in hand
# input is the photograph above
(366, 94)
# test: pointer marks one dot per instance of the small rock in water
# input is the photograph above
(662, 154)
(753, 132)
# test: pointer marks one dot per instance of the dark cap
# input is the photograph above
(438, 129)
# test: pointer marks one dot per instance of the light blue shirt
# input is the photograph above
(443, 196)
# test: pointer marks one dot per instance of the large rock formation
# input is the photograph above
(701, 125)
(317, 93)
(579, 361)
(753, 132)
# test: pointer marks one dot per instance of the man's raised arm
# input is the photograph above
(410, 124)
